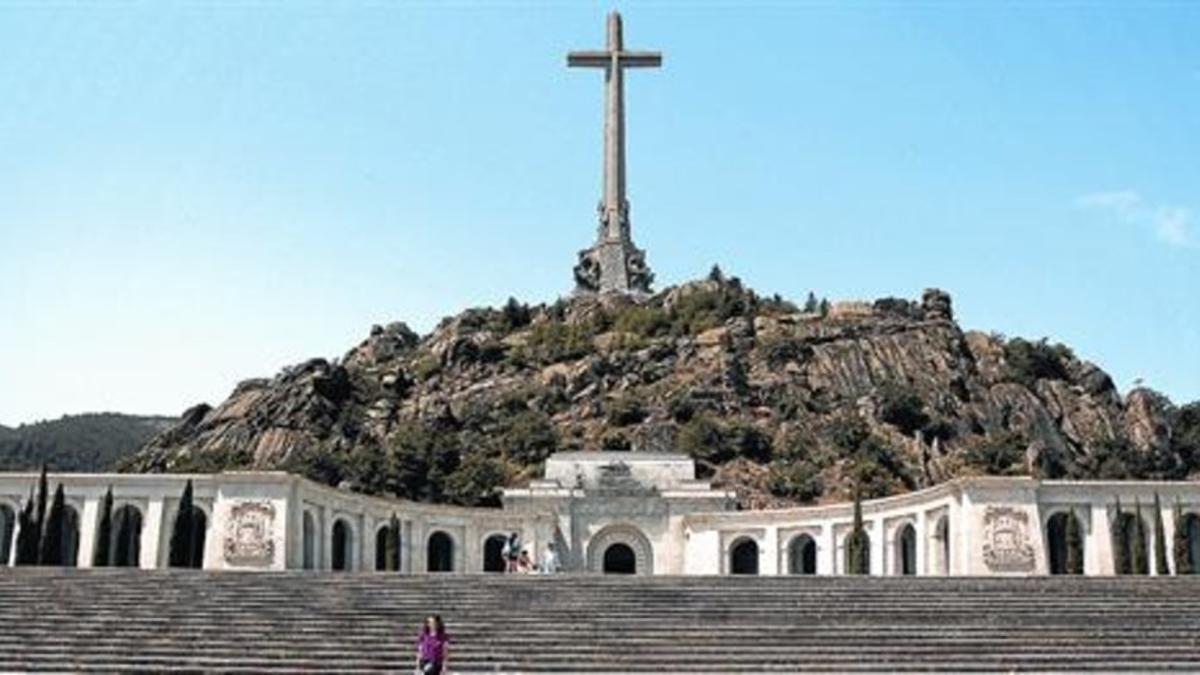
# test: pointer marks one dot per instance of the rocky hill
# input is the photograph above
(88, 442)
(785, 404)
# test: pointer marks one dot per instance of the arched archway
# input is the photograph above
(906, 550)
(620, 559)
(493, 553)
(440, 553)
(310, 541)
(1060, 558)
(802, 555)
(8, 525)
(343, 541)
(127, 536)
(192, 553)
(627, 535)
(941, 547)
(743, 557)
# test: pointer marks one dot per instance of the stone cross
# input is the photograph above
(613, 264)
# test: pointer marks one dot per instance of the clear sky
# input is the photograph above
(195, 194)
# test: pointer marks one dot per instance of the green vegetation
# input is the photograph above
(1074, 537)
(1120, 541)
(528, 437)
(1179, 548)
(392, 545)
(91, 442)
(102, 557)
(1027, 362)
(1139, 561)
(1000, 455)
(51, 551)
(858, 544)
(869, 461)
(625, 410)
(798, 480)
(186, 533)
(714, 442)
(901, 407)
(1160, 540)
(214, 461)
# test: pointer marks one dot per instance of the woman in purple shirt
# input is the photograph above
(431, 647)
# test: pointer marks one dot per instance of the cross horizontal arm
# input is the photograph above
(589, 59)
(640, 59)
(603, 59)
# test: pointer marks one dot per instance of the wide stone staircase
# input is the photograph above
(128, 620)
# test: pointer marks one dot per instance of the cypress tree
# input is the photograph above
(858, 546)
(43, 489)
(1160, 540)
(1139, 561)
(27, 538)
(51, 551)
(183, 533)
(1183, 563)
(1120, 541)
(1074, 561)
(103, 553)
(393, 544)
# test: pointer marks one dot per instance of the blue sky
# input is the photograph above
(191, 194)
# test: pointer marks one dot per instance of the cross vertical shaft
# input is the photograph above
(628, 273)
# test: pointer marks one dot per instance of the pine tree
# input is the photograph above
(1120, 541)
(1074, 538)
(51, 551)
(103, 554)
(810, 303)
(27, 538)
(183, 533)
(823, 308)
(1183, 563)
(393, 544)
(1139, 561)
(858, 545)
(1160, 540)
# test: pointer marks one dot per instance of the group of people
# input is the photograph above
(432, 641)
(518, 561)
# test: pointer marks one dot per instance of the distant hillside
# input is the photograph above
(88, 442)
(785, 404)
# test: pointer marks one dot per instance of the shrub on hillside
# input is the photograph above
(1027, 362)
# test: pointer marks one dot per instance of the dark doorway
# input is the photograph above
(1057, 546)
(342, 540)
(802, 555)
(1191, 533)
(906, 551)
(381, 549)
(743, 559)
(310, 542)
(127, 537)
(619, 559)
(8, 524)
(493, 553)
(440, 553)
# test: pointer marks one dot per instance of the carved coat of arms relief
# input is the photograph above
(249, 538)
(1006, 541)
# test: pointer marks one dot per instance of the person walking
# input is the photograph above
(550, 559)
(432, 654)
(512, 552)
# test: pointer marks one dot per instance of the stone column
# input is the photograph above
(922, 544)
(1098, 553)
(768, 557)
(88, 520)
(152, 534)
(878, 547)
(826, 550)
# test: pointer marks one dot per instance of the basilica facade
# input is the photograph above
(621, 512)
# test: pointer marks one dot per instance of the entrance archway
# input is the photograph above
(493, 553)
(1059, 556)
(343, 540)
(802, 555)
(8, 524)
(127, 536)
(743, 557)
(906, 550)
(628, 536)
(620, 559)
(1131, 545)
(440, 553)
